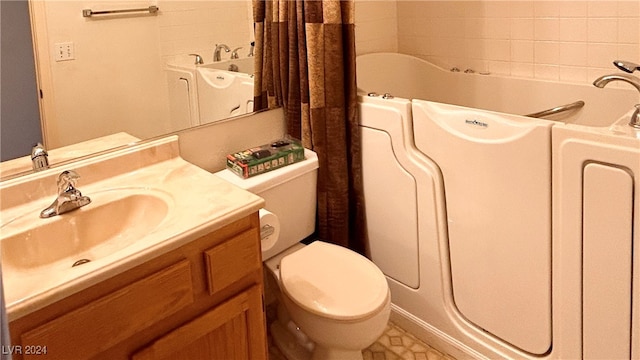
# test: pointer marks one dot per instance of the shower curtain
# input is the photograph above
(305, 62)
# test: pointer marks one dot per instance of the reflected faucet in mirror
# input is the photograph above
(69, 198)
(216, 52)
(253, 46)
(39, 157)
(234, 53)
(198, 59)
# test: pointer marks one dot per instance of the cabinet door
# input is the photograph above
(234, 329)
(106, 322)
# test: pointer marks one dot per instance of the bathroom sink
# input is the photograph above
(145, 201)
(114, 220)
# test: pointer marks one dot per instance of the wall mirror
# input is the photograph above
(109, 67)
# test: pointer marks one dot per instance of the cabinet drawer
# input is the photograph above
(103, 323)
(230, 261)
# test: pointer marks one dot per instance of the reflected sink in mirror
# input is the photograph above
(114, 220)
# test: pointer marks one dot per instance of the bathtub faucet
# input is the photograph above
(602, 81)
(216, 52)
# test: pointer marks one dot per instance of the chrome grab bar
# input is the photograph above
(89, 13)
(558, 109)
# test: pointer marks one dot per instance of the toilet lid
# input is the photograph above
(333, 282)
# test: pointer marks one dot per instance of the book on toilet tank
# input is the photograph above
(264, 158)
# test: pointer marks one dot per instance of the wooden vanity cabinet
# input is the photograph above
(203, 300)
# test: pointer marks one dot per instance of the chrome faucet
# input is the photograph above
(216, 52)
(253, 45)
(602, 81)
(234, 53)
(635, 118)
(69, 198)
(198, 59)
(39, 157)
(627, 66)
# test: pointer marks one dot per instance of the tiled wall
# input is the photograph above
(376, 26)
(197, 26)
(571, 41)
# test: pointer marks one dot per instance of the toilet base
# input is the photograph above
(287, 343)
(290, 347)
(322, 353)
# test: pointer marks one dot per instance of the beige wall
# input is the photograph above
(117, 80)
(572, 41)
(376, 26)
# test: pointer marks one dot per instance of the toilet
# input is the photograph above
(332, 302)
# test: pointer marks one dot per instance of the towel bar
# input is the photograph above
(89, 13)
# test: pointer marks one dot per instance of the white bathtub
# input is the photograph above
(413, 78)
(504, 236)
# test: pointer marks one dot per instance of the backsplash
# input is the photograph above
(573, 41)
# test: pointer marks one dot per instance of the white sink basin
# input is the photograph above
(114, 220)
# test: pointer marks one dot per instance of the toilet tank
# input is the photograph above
(290, 194)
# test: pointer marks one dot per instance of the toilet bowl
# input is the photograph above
(337, 297)
(335, 301)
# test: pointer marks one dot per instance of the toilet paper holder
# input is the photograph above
(266, 230)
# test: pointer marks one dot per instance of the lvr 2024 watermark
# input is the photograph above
(23, 349)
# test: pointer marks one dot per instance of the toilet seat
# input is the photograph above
(333, 282)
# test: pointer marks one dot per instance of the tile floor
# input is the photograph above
(394, 344)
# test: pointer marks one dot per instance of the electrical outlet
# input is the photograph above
(64, 51)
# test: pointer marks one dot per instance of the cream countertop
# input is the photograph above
(199, 204)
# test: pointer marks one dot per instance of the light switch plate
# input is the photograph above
(64, 51)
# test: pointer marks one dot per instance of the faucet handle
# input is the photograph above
(198, 60)
(234, 53)
(626, 66)
(67, 181)
(635, 118)
(253, 45)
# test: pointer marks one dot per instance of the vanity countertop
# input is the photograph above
(197, 203)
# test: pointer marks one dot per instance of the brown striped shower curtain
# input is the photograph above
(305, 62)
